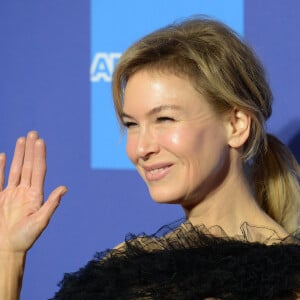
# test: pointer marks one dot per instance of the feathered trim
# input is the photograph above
(191, 262)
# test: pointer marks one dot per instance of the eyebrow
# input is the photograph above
(155, 110)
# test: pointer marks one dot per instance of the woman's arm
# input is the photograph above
(23, 213)
(11, 274)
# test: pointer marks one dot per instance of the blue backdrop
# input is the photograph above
(110, 37)
(56, 59)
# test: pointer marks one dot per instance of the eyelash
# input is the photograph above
(164, 119)
(129, 124)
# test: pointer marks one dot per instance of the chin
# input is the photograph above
(164, 198)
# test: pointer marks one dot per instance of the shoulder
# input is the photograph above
(189, 259)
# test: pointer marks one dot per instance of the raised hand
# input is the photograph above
(23, 213)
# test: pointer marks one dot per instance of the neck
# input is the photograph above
(229, 206)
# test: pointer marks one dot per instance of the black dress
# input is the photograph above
(191, 262)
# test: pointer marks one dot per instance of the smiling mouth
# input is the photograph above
(155, 174)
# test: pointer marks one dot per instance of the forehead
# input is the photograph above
(147, 89)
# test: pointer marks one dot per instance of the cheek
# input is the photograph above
(131, 147)
(175, 139)
(189, 144)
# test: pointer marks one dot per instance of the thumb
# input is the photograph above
(46, 211)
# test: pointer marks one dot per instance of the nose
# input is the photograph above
(147, 143)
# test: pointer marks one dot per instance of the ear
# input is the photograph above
(238, 126)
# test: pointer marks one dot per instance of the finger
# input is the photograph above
(28, 158)
(2, 169)
(45, 213)
(39, 167)
(17, 162)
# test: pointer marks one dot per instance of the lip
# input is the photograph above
(157, 172)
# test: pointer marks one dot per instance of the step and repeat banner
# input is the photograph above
(56, 64)
(112, 35)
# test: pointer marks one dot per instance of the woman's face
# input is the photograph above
(176, 142)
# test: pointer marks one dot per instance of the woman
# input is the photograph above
(194, 100)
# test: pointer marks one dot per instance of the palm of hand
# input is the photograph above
(23, 215)
(18, 222)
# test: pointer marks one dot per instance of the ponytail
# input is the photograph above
(276, 183)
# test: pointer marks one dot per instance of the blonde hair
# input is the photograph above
(226, 71)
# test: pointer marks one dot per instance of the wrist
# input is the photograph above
(11, 274)
(15, 259)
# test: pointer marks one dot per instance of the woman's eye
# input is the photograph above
(129, 124)
(165, 119)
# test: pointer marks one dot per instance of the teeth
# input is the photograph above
(157, 170)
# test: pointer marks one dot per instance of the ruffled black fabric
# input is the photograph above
(191, 263)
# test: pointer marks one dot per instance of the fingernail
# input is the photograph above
(32, 134)
(64, 191)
